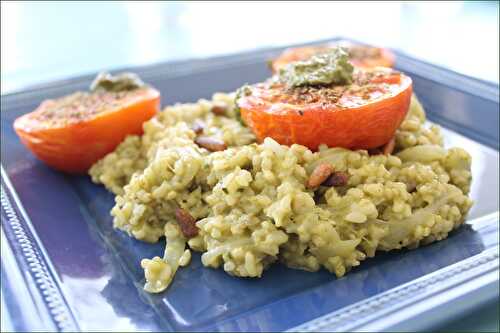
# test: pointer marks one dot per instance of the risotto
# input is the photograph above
(249, 205)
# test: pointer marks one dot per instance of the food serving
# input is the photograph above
(320, 166)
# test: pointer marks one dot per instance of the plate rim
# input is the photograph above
(33, 263)
(43, 285)
(375, 311)
(197, 63)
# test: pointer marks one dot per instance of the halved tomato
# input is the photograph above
(295, 54)
(359, 55)
(73, 132)
(362, 115)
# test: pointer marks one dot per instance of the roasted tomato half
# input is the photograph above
(359, 55)
(73, 132)
(362, 115)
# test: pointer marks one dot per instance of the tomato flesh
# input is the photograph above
(73, 132)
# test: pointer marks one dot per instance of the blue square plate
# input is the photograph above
(65, 268)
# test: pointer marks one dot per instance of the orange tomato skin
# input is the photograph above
(73, 148)
(295, 54)
(365, 127)
(386, 58)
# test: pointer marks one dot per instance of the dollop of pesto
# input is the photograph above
(326, 68)
(105, 82)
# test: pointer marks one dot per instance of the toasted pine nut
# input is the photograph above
(210, 143)
(338, 178)
(319, 175)
(219, 109)
(186, 222)
(198, 127)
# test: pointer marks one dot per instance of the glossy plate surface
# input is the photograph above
(67, 269)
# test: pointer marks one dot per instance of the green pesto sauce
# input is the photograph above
(331, 67)
(105, 82)
(242, 91)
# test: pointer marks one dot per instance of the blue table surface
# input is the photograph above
(46, 41)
